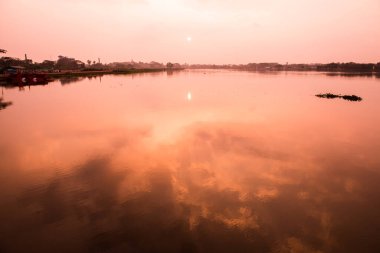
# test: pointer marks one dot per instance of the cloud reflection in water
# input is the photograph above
(219, 188)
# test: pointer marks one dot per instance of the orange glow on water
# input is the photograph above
(131, 156)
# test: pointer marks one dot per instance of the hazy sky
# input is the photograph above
(193, 31)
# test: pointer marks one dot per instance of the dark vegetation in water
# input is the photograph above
(345, 97)
(4, 104)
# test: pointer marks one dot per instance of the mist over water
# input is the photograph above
(191, 161)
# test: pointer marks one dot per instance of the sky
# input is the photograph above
(193, 31)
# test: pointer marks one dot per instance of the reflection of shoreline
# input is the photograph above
(327, 73)
(353, 74)
(105, 72)
(299, 71)
(70, 77)
(57, 75)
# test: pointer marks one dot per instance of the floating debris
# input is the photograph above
(4, 105)
(345, 97)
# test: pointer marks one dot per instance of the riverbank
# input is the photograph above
(105, 72)
(88, 73)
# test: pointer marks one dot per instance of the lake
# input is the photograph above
(191, 161)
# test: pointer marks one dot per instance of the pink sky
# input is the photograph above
(221, 31)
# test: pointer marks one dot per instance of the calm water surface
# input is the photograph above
(194, 161)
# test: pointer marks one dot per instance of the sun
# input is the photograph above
(189, 39)
(189, 96)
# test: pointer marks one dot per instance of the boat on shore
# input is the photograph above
(28, 78)
(18, 76)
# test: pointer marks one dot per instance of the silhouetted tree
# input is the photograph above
(47, 64)
(68, 63)
(3, 51)
(89, 62)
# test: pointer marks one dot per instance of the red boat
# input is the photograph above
(28, 78)
(15, 75)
